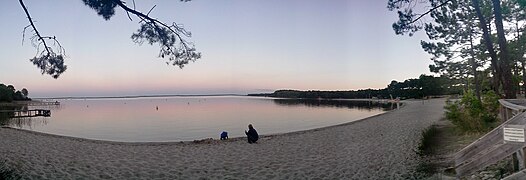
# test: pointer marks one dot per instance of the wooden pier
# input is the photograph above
(41, 103)
(27, 113)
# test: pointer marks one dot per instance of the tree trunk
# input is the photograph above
(489, 46)
(474, 65)
(521, 59)
(507, 78)
(523, 62)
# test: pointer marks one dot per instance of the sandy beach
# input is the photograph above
(379, 147)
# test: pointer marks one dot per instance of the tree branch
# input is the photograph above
(143, 16)
(156, 31)
(34, 28)
(47, 60)
(429, 11)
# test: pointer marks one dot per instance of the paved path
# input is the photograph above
(380, 147)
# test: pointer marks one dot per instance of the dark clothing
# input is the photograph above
(252, 135)
(224, 135)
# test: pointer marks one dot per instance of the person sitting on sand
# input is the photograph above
(252, 134)
(224, 135)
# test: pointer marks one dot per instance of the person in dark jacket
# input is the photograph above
(224, 135)
(252, 134)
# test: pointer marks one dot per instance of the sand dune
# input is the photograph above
(380, 147)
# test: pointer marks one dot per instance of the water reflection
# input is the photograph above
(7, 116)
(23, 123)
(363, 105)
(189, 118)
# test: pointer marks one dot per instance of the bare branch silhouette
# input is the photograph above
(408, 21)
(429, 11)
(49, 61)
(170, 37)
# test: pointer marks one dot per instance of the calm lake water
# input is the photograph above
(190, 118)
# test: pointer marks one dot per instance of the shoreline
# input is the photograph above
(402, 105)
(138, 96)
(187, 140)
(380, 146)
(199, 95)
(192, 141)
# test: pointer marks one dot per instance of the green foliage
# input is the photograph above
(170, 37)
(6, 95)
(51, 64)
(25, 92)
(466, 37)
(7, 173)
(470, 114)
(106, 9)
(411, 88)
(427, 140)
(9, 94)
(167, 38)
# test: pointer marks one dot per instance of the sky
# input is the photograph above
(246, 46)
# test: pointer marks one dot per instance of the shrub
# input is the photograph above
(7, 173)
(427, 140)
(470, 114)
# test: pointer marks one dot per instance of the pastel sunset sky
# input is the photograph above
(246, 46)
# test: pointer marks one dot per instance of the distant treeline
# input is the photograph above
(412, 88)
(367, 105)
(9, 93)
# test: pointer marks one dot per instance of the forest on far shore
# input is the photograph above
(9, 94)
(424, 86)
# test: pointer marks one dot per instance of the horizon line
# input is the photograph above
(139, 96)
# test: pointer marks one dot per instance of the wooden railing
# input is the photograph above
(492, 147)
(511, 107)
(38, 103)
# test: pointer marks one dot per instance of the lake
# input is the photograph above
(159, 119)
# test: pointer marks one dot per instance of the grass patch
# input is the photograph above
(427, 141)
(7, 173)
(438, 144)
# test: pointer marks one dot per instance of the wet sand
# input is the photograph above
(379, 147)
